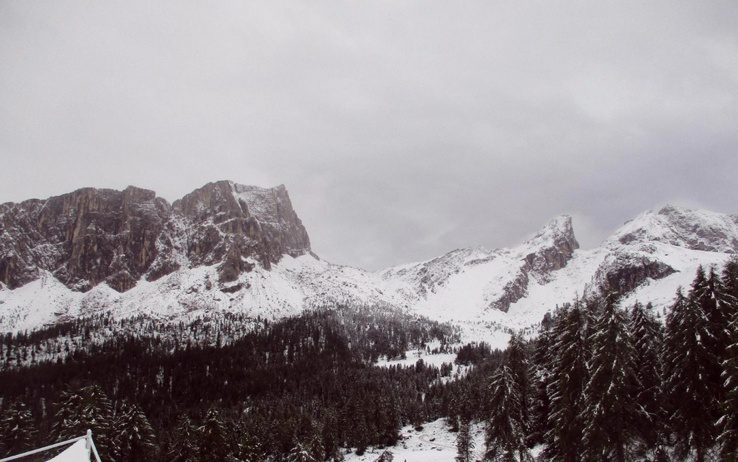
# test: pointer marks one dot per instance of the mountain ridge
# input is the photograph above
(230, 247)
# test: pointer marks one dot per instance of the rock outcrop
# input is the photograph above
(93, 235)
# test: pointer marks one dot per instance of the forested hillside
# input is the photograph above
(599, 382)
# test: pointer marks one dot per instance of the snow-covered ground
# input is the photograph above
(434, 443)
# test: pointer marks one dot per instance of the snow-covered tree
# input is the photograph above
(136, 439)
(610, 409)
(506, 436)
(709, 293)
(464, 443)
(212, 441)
(647, 334)
(385, 456)
(728, 422)
(567, 381)
(17, 429)
(184, 444)
(730, 277)
(80, 410)
(540, 378)
(688, 364)
(516, 358)
(301, 453)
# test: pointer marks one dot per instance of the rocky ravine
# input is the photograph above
(230, 247)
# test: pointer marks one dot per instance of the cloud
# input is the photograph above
(402, 129)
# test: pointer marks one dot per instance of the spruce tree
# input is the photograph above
(709, 293)
(136, 439)
(730, 277)
(80, 410)
(184, 444)
(212, 441)
(568, 378)
(728, 422)
(541, 377)
(505, 439)
(464, 443)
(688, 364)
(516, 358)
(17, 429)
(300, 453)
(647, 334)
(610, 410)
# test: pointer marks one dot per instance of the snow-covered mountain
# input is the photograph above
(230, 247)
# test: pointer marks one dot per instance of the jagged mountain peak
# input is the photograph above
(557, 232)
(694, 229)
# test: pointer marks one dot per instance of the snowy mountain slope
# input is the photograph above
(229, 247)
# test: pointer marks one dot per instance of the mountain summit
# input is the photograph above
(91, 236)
(227, 247)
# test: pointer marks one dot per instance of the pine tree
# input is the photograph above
(184, 445)
(212, 441)
(688, 364)
(385, 456)
(568, 378)
(541, 378)
(17, 429)
(728, 422)
(136, 439)
(505, 439)
(610, 410)
(300, 453)
(730, 277)
(87, 408)
(717, 304)
(516, 358)
(647, 336)
(464, 443)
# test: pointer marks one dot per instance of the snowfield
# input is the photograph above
(434, 443)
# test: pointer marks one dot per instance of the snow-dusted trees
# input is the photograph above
(212, 441)
(728, 423)
(506, 426)
(17, 429)
(300, 453)
(610, 411)
(540, 378)
(568, 378)
(184, 444)
(709, 293)
(464, 443)
(688, 364)
(136, 439)
(647, 335)
(87, 408)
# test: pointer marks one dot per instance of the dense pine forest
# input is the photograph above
(600, 382)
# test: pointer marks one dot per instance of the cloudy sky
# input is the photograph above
(402, 129)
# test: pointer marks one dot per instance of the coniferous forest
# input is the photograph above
(600, 382)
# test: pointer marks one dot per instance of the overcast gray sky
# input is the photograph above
(402, 129)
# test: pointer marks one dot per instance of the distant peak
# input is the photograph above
(695, 229)
(555, 230)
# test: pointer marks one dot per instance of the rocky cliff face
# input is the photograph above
(92, 235)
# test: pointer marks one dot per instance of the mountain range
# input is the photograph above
(232, 247)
